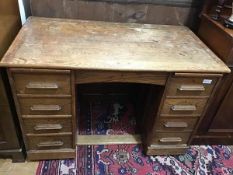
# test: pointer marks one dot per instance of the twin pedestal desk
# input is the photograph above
(50, 58)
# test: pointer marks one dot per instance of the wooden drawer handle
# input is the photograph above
(50, 144)
(170, 139)
(38, 85)
(45, 108)
(191, 88)
(48, 127)
(183, 108)
(175, 125)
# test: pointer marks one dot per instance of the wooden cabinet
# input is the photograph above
(217, 127)
(10, 142)
(10, 145)
(7, 128)
(172, 12)
(45, 104)
(223, 121)
(181, 110)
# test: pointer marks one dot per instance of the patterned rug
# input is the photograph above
(129, 160)
(118, 118)
(107, 119)
(56, 167)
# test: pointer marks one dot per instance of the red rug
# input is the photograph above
(107, 119)
(129, 160)
(57, 167)
(116, 118)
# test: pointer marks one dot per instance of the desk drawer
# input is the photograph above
(42, 83)
(45, 106)
(49, 142)
(191, 86)
(57, 125)
(173, 138)
(175, 124)
(166, 150)
(183, 107)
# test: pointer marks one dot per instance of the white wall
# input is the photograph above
(22, 11)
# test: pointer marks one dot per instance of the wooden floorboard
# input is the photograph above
(107, 139)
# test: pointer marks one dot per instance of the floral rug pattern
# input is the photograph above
(129, 160)
(108, 119)
(57, 167)
(118, 118)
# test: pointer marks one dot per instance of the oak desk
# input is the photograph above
(49, 57)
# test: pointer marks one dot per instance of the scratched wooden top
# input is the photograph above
(76, 44)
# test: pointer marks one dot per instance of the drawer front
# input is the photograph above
(45, 106)
(49, 142)
(40, 83)
(191, 86)
(173, 138)
(166, 150)
(37, 126)
(175, 124)
(183, 106)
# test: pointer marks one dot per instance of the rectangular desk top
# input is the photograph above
(77, 44)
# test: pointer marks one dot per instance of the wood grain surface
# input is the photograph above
(76, 44)
(108, 139)
(170, 12)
